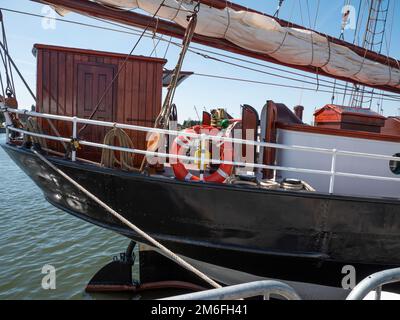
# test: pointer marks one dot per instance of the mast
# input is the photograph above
(173, 29)
(372, 40)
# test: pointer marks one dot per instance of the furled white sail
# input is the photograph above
(263, 34)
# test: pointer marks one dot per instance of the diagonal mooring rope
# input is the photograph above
(129, 224)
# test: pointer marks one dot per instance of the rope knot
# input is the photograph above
(75, 144)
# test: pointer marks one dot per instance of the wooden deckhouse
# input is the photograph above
(72, 82)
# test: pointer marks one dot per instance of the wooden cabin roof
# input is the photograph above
(394, 118)
(167, 77)
(96, 52)
(343, 110)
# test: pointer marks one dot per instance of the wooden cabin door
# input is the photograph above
(93, 80)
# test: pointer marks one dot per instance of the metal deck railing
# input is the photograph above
(333, 173)
(375, 283)
(264, 288)
(277, 289)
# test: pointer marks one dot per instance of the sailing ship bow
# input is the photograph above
(231, 27)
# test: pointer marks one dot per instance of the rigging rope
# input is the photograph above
(52, 126)
(106, 91)
(280, 3)
(11, 64)
(162, 120)
(383, 37)
(345, 18)
(301, 12)
(129, 224)
(197, 50)
(168, 45)
(316, 15)
(193, 50)
(267, 83)
(155, 45)
(388, 46)
(354, 42)
(377, 16)
(10, 88)
(280, 76)
(265, 66)
(6, 53)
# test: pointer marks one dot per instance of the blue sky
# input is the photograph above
(24, 31)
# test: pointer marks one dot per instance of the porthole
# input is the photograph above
(395, 165)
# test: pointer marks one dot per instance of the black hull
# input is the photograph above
(304, 237)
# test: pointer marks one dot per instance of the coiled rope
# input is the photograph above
(296, 185)
(287, 184)
(108, 157)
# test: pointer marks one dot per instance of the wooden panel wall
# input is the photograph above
(136, 94)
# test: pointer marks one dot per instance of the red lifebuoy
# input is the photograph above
(182, 144)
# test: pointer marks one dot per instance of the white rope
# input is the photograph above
(143, 234)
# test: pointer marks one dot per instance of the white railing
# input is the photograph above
(374, 282)
(75, 121)
(264, 288)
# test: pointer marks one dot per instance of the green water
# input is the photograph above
(33, 233)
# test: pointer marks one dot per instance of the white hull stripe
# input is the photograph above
(181, 143)
(188, 176)
(222, 173)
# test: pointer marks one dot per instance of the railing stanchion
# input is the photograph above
(74, 136)
(378, 293)
(203, 154)
(7, 134)
(8, 123)
(333, 171)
